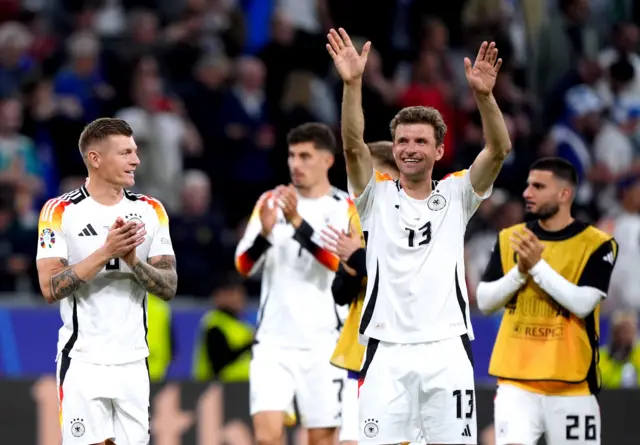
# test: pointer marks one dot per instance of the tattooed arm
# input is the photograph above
(58, 280)
(158, 276)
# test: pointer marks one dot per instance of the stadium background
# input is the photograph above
(211, 88)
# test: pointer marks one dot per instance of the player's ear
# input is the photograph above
(93, 159)
(329, 160)
(439, 152)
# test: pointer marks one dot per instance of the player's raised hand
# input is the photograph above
(340, 243)
(123, 239)
(528, 247)
(287, 199)
(268, 214)
(482, 74)
(349, 63)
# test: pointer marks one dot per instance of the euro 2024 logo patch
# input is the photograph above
(47, 238)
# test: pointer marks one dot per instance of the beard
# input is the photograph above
(543, 212)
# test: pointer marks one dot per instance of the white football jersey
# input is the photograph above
(416, 288)
(296, 304)
(105, 321)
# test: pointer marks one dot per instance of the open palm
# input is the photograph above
(349, 63)
(482, 74)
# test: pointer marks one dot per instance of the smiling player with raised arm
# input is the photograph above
(418, 372)
(101, 249)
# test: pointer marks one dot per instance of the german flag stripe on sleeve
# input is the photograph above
(304, 235)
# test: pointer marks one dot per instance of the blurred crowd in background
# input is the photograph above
(211, 88)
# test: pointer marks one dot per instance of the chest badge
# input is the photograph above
(436, 202)
(135, 217)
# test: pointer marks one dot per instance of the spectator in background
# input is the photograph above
(17, 247)
(573, 138)
(202, 98)
(624, 291)
(161, 134)
(620, 359)
(223, 349)
(16, 64)
(562, 42)
(624, 45)
(19, 166)
(247, 127)
(198, 234)
(614, 149)
(430, 88)
(82, 79)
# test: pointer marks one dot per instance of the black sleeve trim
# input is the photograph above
(358, 262)
(303, 235)
(597, 271)
(494, 270)
(258, 248)
(345, 287)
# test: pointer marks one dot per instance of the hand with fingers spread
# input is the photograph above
(123, 238)
(340, 243)
(268, 214)
(288, 201)
(349, 63)
(528, 247)
(482, 74)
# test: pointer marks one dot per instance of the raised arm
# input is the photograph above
(482, 78)
(350, 66)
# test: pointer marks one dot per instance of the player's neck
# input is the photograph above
(557, 222)
(417, 189)
(103, 193)
(317, 191)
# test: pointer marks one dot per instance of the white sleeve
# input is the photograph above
(579, 300)
(493, 295)
(52, 242)
(161, 241)
(251, 250)
(471, 200)
(365, 201)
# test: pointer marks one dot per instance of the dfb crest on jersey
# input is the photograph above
(133, 217)
(77, 428)
(371, 428)
(436, 202)
(47, 238)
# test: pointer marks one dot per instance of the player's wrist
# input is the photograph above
(131, 262)
(537, 268)
(354, 82)
(103, 255)
(296, 220)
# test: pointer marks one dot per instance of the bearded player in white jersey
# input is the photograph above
(298, 323)
(101, 248)
(418, 373)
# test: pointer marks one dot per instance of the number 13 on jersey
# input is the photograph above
(423, 233)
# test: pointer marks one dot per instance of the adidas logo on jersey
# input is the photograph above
(88, 231)
(608, 258)
(466, 432)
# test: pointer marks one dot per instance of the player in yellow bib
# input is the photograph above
(550, 275)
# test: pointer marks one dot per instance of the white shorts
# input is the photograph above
(349, 430)
(415, 390)
(277, 375)
(522, 417)
(99, 402)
